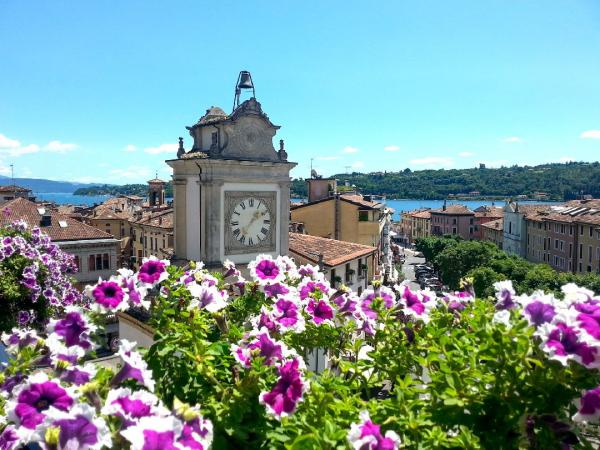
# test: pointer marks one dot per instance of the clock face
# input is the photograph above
(250, 221)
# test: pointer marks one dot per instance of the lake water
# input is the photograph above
(63, 198)
(400, 206)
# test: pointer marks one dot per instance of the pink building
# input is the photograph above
(453, 219)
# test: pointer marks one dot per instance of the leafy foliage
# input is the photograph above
(559, 181)
(484, 262)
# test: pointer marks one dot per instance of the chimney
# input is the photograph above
(46, 220)
(444, 207)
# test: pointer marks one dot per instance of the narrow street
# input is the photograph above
(408, 268)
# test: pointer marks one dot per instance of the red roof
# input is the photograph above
(454, 210)
(61, 228)
(334, 252)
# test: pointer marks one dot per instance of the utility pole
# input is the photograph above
(12, 174)
(311, 166)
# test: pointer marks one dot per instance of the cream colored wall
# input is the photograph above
(588, 241)
(318, 219)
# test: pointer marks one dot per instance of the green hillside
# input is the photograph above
(559, 181)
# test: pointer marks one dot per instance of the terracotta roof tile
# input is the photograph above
(454, 210)
(360, 200)
(422, 214)
(160, 219)
(497, 224)
(13, 188)
(334, 252)
(74, 230)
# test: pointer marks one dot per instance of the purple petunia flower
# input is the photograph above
(287, 392)
(35, 397)
(320, 311)
(346, 304)
(207, 297)
(9, 438)
(73, 328)
(563, 343)
(366, 435)
(261, 344)
(134, 367)
(153, 270)
(315, 289)
(588, 407)
(197, 432)
(538, 313)
(19, 339)
(505, 294)
(287, 316)
(79, 428)
(131, 407)
(275, 289)
(109, 297)
(264, 269)
(154, 433)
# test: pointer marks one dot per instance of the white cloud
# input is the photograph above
(358, 165)
(433, 161)
(135, 172)
(59, 147)
(513, 139)
(391, 148)
(6, 142)
(589, 134)
(466, 154)
(163, 148)
(327, 158)
(130, 148)
(349, 149)
(12, 147)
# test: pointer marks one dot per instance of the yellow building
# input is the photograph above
(493, 231)
(588, 241)
(152, 234)
(421, 225)
(351, 218)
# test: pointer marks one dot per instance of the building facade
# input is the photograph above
(493, 231)
(351, 218)
(453, 220)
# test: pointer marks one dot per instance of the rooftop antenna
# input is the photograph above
(12, 174)
(244, 81)
(348, 168)
(311, 166)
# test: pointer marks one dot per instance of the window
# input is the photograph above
(453, 221)
(571, 230)
(509, 227)
(98, 262)
(555, 244)
(580, 253)
(591, 232)
(454, 230)
(363, 216)
(589, 254)
(570, 250)
(581, 230)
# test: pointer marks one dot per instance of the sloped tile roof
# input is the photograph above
(13, 188)
(159, 219)
(334, 252)
(74, 230)
(497, 224)
(454, 210)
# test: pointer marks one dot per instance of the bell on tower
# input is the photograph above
(244, 81)
(156, 192)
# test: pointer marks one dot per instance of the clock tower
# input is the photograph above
(232, 189)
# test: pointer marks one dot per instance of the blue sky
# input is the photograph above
(99, 91)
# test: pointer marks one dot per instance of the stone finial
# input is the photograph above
(282, 153)
(180, 150)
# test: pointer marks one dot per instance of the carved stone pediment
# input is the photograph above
(249, 137)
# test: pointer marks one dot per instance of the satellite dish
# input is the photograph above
(313, 173)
